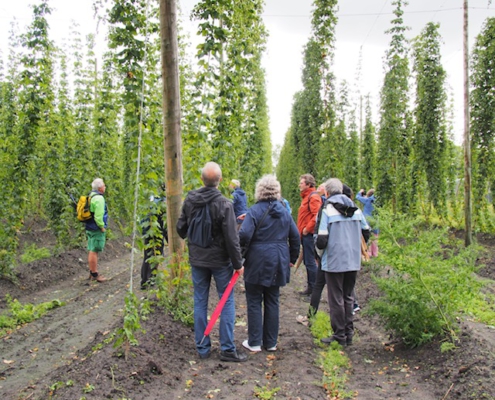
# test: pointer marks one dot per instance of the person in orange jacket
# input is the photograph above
(306, 220)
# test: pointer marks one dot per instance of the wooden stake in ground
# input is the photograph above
(171, 128)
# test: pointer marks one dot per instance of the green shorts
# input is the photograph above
(96, 240)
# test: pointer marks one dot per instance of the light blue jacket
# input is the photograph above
(338, 241)
(368, 203)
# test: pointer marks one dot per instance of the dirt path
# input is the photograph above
(52, 341)
(60, 347)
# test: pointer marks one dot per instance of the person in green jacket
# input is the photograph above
(96, 228)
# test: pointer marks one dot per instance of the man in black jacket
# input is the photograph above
(218, 259)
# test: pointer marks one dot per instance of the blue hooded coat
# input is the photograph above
(272, 247)
(240, 202)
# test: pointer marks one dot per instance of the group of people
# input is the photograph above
(262, 243)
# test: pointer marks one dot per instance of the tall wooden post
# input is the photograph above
(171, 124)
(468, 238)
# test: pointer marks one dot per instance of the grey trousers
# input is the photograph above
(340, 287)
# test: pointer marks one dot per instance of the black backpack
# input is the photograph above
(199, 231)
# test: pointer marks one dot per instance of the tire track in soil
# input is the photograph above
(44, 345)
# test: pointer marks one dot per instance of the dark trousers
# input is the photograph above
(340, 286)
(317, 291)
(147, 268)
(309, 259)
(262, 326)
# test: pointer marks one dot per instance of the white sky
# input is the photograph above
(361, 24)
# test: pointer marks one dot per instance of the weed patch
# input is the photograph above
(334, 361)
(33, 253)
(19, 314)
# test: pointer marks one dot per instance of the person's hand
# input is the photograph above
(241, 270)
(291, 265)
(103, 229)
(241, 217)
(305, 232)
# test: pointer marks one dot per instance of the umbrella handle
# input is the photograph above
(221, 303)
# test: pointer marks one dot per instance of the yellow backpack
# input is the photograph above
(83, 212)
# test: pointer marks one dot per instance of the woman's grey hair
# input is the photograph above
(267, 188)
(334, 186)
(97, 184)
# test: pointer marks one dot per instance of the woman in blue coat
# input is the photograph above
(272, 241)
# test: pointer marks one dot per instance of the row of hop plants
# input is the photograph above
(428, 281)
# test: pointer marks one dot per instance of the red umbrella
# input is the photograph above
(221, 303)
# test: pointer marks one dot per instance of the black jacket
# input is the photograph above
(225, 247)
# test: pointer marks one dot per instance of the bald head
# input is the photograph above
(211, 174)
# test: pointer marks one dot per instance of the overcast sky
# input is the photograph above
(361, 25)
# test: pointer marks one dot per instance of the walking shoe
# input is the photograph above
(348, 341)
(205, 355)
(254, 349)
(98, 278)
(306, 292)
(303, 320)
(273, 348)
(330, 340)
(355, 309)
(234, 356)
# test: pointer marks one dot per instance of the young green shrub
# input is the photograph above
(126, 335)
(430, 282)
(175, 295)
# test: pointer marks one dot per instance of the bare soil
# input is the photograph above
(63, 346)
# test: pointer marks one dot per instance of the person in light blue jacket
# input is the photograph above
(338, 243)
(368, 211)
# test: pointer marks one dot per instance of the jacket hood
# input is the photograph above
(239, 192)
(203, 195)
(277, 209)
(343, 204)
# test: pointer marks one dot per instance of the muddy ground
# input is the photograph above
(63, 346)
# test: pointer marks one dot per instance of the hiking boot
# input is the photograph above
(99, 278)
(306, 292)
(254, 349)
(233, 356)
(330, 340)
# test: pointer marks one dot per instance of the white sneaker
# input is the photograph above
(254, 349)
(274, 348)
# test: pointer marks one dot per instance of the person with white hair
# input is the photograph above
(338, 243)
(96, 228)
(271, 241)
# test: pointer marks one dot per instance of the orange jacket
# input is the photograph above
(310, 205)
